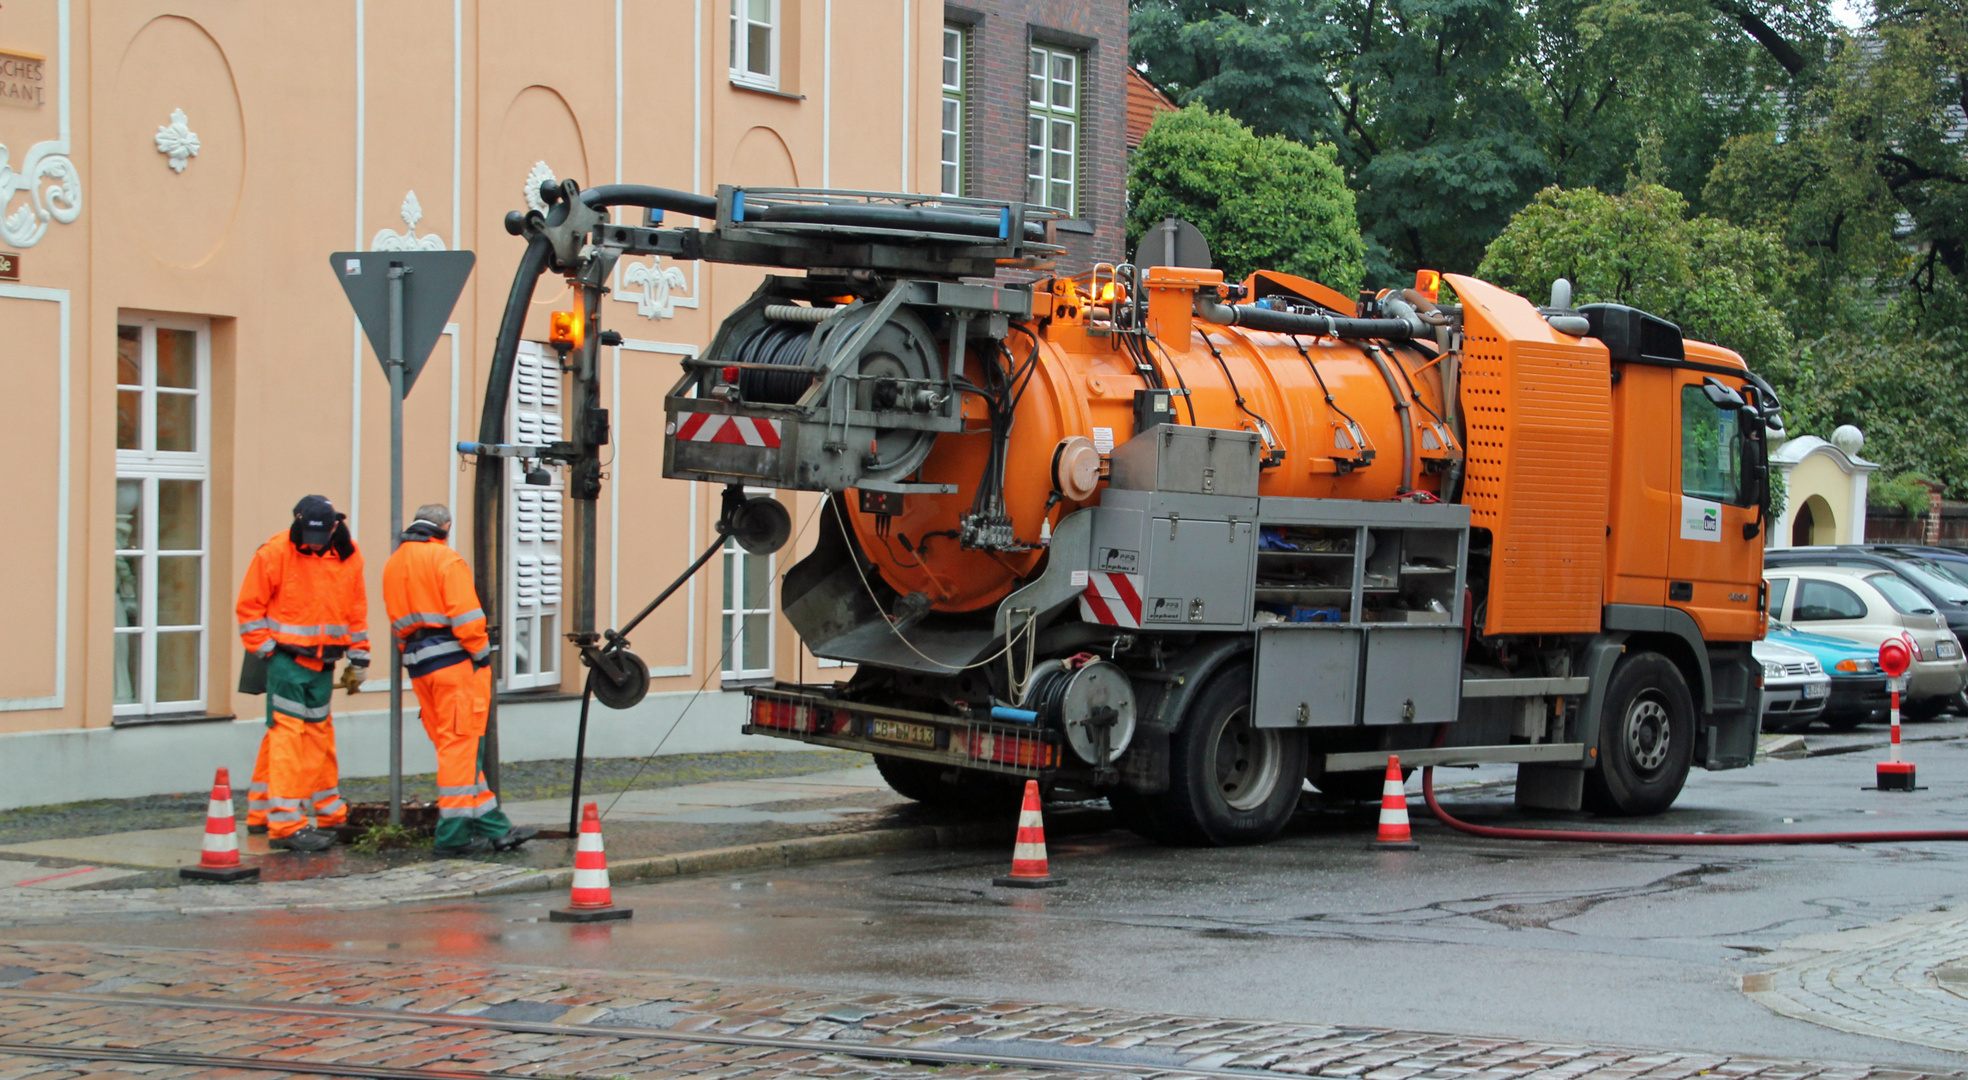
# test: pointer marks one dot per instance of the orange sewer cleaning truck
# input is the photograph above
(1187, 543)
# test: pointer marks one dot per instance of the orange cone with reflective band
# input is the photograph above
(219, 859)
(1028, 853)
(591, 899)
(1394, 834)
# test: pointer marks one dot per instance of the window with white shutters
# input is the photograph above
(163, 477)
(530, 643)
(747, 608)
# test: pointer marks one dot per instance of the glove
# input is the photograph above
(352, 677)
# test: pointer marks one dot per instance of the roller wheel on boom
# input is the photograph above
(1646, 738)
(1229, 782)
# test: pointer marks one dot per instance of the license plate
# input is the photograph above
(896, 731)
(1817, 690)
(1946, 650)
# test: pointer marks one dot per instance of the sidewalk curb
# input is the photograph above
(744, 857)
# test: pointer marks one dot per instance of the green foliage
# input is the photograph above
(1907, 491)
(1263, 203)
(1905, 391)
(1779, 493)
(382, 836)
(1721, 282)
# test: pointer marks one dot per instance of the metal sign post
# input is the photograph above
(403, 324)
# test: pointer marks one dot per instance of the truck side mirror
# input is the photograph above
(1724, 397)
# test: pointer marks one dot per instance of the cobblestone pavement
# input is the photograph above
(564, 1022)
(1885, 980)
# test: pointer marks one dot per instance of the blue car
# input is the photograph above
(1858, 688)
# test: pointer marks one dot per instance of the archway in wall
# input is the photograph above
(1814, 523)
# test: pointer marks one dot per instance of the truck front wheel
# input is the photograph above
(1646, 738)
(1229, 782)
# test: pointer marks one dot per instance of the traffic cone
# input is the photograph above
(591, 900)
(1028, 853)
(1394, 834)
(219, 858)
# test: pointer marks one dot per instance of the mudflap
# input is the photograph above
(1728, 739)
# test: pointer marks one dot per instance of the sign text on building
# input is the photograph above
(9, 266)
(23, 78)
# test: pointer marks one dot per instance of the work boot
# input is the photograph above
(517, 835)
(478, 845)
(256, 830)
(308, 839)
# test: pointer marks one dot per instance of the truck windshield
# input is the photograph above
(1905, 598)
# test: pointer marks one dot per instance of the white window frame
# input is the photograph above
(1042, 108)
(149, 465)
(951, 147)
(741, 59)
(729, 556)
(543, 420)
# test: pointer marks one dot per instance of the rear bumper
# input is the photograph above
(817, 715)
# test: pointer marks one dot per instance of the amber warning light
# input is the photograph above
(565, 330)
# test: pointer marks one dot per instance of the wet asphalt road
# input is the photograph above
(1576, 943)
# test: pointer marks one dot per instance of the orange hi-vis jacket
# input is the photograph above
(433, 608)
(314, 606)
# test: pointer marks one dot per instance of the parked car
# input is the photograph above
(1942, 578)
(1795, 686)
(1868, 606)
(1858, 687)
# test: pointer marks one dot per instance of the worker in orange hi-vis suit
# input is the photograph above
(437, 622)
(302, 607)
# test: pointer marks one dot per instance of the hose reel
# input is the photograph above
(1090, 701)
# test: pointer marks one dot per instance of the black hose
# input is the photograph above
(1252, 317)
(654, 198)
(987, 224)
(779, 344)
(488, 540)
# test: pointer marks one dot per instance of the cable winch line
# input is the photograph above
(1588, 836)
(910, 1054)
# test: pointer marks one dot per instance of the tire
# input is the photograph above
(1229, 783)
(1136, 813)
(1646, 739)
(1925, 709)
(924, 782)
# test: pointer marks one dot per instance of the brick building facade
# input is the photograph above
(1035, 102)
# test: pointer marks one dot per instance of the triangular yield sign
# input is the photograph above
(430, 291)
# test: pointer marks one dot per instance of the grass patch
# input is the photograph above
(383, 836)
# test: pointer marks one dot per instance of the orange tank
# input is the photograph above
(1323, 407)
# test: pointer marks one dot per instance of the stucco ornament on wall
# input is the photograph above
(656, 281)
(52, 186)
(540, 174)
(408, 240)
(177, 141)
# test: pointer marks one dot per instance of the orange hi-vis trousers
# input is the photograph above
(453, 702)
(257, 801)
(302, 773)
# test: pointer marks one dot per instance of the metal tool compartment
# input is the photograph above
(1194, 555)
(1358, 609)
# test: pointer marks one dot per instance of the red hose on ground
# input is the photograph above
(1586, 836)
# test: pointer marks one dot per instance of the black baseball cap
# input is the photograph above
(317, 518)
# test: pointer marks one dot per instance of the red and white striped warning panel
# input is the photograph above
(719, 428)
(1112, 599)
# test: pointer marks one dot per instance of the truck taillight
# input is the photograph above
(788, 716)
(728, 374)
(1006, 748)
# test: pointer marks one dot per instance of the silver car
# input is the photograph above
(1795, 686)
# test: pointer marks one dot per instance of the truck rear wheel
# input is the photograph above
(931, 785)
(1229, 782)
(1646, 738)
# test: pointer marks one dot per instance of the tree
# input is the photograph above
(1722, 283)
(1263, 203)
(1448, 115)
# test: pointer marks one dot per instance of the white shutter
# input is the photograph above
(530, 644)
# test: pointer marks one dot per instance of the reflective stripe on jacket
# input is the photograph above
(314, 605)
(433, 608)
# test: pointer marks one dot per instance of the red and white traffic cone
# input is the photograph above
(1394, 834)
(591, 900)
(1028, 853)
(219, 858)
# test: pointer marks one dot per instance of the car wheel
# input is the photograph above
(1646, 738)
